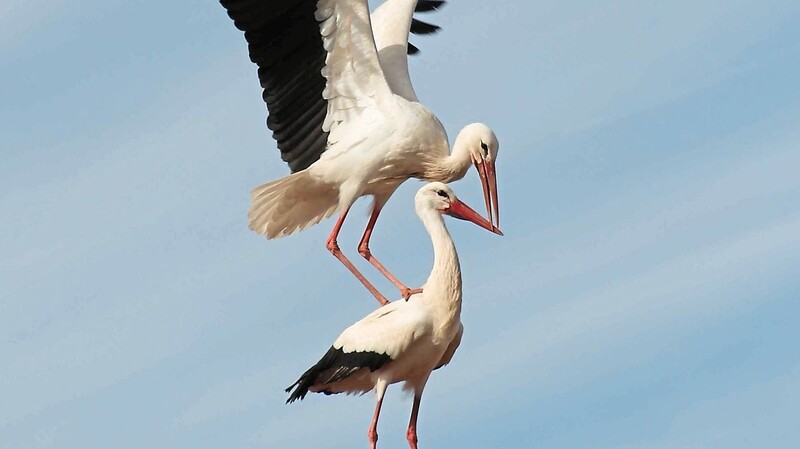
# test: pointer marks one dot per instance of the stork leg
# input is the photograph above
(372, 433)
(363, 249)
(333, 247)
(411, 433)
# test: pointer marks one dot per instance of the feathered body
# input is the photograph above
(358, 131)
(385, 157)
(403, 340)
(378, 133)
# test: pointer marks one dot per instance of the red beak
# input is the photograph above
(461, 211)
(486, 170)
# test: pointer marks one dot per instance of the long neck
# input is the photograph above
(451, 167)
(444, 282)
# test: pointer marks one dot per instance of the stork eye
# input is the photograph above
(442, 193)
(485, 149)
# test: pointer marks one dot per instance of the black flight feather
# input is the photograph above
(428, 5)
(283, 41)
(334, 366)
(420, 27)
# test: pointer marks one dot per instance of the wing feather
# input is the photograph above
(316, 56)
(283, 41)
(390, 329)
(392, 23)
(451, 348)
(354, 78)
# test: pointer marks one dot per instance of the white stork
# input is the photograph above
(403, 340)
(345, 116)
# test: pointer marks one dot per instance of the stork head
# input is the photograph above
(483, 147)
(439, 197)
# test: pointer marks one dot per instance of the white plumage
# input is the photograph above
(376, 133)
(403, 341)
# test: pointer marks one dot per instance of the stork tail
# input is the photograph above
(290, 204)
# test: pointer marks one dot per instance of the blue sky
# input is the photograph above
(644, 295)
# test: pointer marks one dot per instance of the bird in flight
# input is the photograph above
(345, 116)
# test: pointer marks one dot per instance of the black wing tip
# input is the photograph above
(283, 41)
(298, 394)
(302, 385)
(335, 357)
(420, 27)
(429, 5)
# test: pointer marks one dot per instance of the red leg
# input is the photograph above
(411, 433)
(363, 249)
(372, 433)
(333, 247)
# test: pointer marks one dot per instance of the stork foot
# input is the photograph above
(407, 292)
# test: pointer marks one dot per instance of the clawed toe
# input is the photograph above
(407, 292)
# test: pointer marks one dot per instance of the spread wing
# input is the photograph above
(420, 27)
(287, 41)
(284, 42)
(354, 78)
(392, 22)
